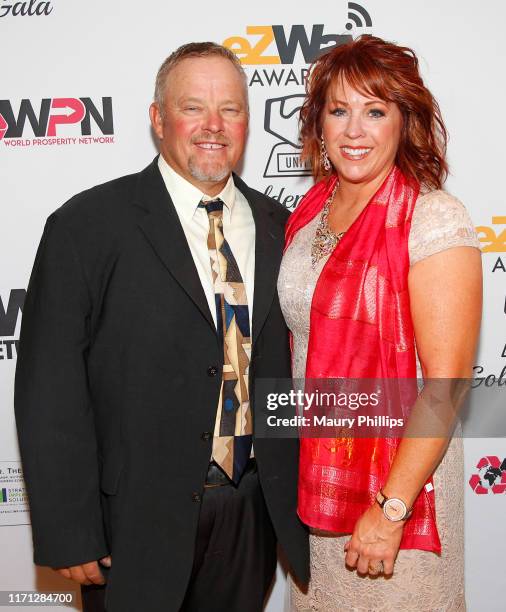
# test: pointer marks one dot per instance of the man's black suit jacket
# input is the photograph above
(117, 386)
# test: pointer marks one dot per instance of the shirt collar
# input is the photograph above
(186, 197)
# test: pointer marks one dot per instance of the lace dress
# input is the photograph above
(422, 581)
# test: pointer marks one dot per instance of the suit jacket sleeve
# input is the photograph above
(53, 407)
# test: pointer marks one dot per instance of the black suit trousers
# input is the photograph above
(235, 553)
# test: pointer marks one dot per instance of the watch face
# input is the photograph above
(395, 509)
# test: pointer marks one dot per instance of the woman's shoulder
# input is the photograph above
(440, 221)
(437, 201)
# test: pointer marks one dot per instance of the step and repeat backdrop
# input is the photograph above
(76, 82)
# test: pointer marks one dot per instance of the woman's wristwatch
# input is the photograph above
(393, 508)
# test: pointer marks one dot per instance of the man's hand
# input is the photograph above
(86, 573)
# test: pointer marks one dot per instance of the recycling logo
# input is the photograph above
(491, 476)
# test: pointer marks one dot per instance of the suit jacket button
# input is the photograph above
(196, 497)
(212, 371)
(206, 435)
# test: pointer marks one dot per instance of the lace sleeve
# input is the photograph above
(439, 222)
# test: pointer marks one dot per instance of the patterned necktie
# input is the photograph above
(233, 428)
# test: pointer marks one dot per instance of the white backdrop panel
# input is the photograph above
(94, 50)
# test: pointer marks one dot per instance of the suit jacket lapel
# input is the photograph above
(162, 228)
(269, 240)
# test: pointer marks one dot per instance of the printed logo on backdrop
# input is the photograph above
(279, 56)
(490, 477)
(32, 8)
(281, 120)
(484, 379)
(493, 240)
(13, 497)
(280, 44)
(56, 122)
(10, 315)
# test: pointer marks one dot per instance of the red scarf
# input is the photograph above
(361, 327)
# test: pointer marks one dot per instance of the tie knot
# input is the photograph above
(212, 206)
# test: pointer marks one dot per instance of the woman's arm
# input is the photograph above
(446, 298)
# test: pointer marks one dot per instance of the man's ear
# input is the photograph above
(156, 119)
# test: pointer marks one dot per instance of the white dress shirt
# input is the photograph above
(238, 229)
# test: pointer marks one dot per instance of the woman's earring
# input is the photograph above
(324, 158)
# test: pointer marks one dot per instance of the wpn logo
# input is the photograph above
(55, 121)
(281, 120)
(491, 476)
(9, 318)
(33, 8)
(287, 45)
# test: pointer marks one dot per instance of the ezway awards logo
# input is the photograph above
(287, 42)
(494, 240)
(279, 56)
(274, 45)
(94, 122)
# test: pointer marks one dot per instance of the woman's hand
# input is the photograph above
(374, 544)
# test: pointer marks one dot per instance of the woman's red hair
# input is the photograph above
(387, 71)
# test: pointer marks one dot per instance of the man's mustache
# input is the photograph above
(211, 139)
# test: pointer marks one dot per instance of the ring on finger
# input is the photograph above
(376, 569)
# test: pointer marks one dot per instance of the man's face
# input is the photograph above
(202, 126)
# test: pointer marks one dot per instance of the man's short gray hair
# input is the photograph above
(194, 49)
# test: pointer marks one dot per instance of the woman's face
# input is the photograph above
(361, 133)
